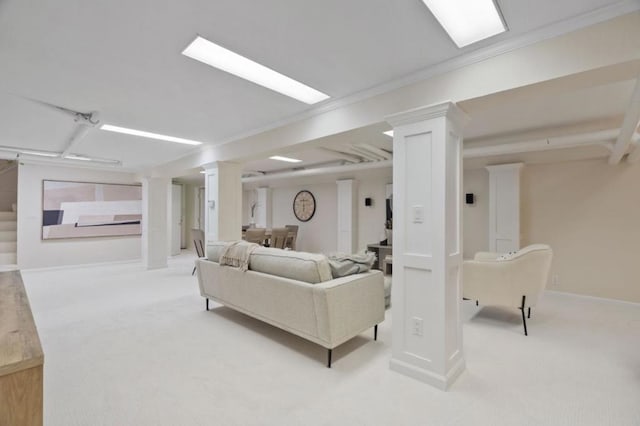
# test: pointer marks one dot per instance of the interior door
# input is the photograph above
(176, 219)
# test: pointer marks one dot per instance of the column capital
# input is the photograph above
(446, 109)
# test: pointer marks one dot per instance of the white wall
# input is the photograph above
(371, 219)
(33, 252)
(475, 216)
(8, 189)
(319, 235)
(587, 211)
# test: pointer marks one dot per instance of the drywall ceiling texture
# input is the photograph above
(587, 211)
(33, 252)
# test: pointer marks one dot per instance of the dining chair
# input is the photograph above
(197, 235)
(255, 235)
(292, 236)
(279, 237)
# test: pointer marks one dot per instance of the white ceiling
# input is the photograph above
(122, 58)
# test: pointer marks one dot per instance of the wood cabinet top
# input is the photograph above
(19, 342)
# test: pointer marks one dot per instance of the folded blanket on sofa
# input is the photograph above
(237, 254)
(348, 264)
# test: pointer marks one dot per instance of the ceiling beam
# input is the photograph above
(560, 142)
(319, 171)
(375, 150)
(631, 119)
(343, 155)
(364, 154)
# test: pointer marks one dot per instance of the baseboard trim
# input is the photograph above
(587, 296)
(82, 265)
(439, 381)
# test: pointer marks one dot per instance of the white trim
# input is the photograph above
(601, 299)
(436, 380)
(83, 265)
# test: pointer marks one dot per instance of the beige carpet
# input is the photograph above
(125, 346)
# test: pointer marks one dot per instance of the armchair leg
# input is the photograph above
(328, 358)
(476, 303)
(375, 332)
(194, 271)
(528, 312)
(524, 320)
(207, 303)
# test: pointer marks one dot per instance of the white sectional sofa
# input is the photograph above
(295, 292)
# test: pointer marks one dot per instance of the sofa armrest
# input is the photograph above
(347, 306)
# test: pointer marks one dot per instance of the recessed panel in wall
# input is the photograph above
(418, 194)
(82, 209)
(418, 290)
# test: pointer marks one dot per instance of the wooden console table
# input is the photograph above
(381, 252)
(21, 356)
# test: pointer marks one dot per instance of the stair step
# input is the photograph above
(8, 247)
(8, 225)
(8, 216)
(8, 259)
(8, 236)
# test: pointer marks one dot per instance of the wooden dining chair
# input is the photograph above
(255, 235)
(197, 235)
(279, 237)
(292, 236)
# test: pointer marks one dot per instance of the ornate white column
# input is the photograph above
(155, 221)
(504, 207)
(346, 206)
(223, 203)
(427, 243)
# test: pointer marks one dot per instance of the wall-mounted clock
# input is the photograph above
(304, 206)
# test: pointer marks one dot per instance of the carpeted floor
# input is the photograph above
(125, 346)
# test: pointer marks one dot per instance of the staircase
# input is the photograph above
(8, 238)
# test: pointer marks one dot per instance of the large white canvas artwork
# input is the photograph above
(80, 209)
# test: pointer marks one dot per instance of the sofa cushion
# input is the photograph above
(296, 265)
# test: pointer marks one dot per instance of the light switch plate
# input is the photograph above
(418, 214)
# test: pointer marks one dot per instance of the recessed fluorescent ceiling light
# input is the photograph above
(287, 159)
(389, 133)
(141, 133)
(467, 21)
(210, 53)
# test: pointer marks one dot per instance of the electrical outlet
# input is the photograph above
(417, 326)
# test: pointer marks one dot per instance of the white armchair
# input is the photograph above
(516, 281)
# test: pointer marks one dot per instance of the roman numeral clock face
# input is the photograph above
(304, 206)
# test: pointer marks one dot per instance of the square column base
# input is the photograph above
(442, 382)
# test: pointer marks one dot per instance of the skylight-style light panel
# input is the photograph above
(149, 135)
(217, 56)
(389, 133)
(286, 159)
(467, 21)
